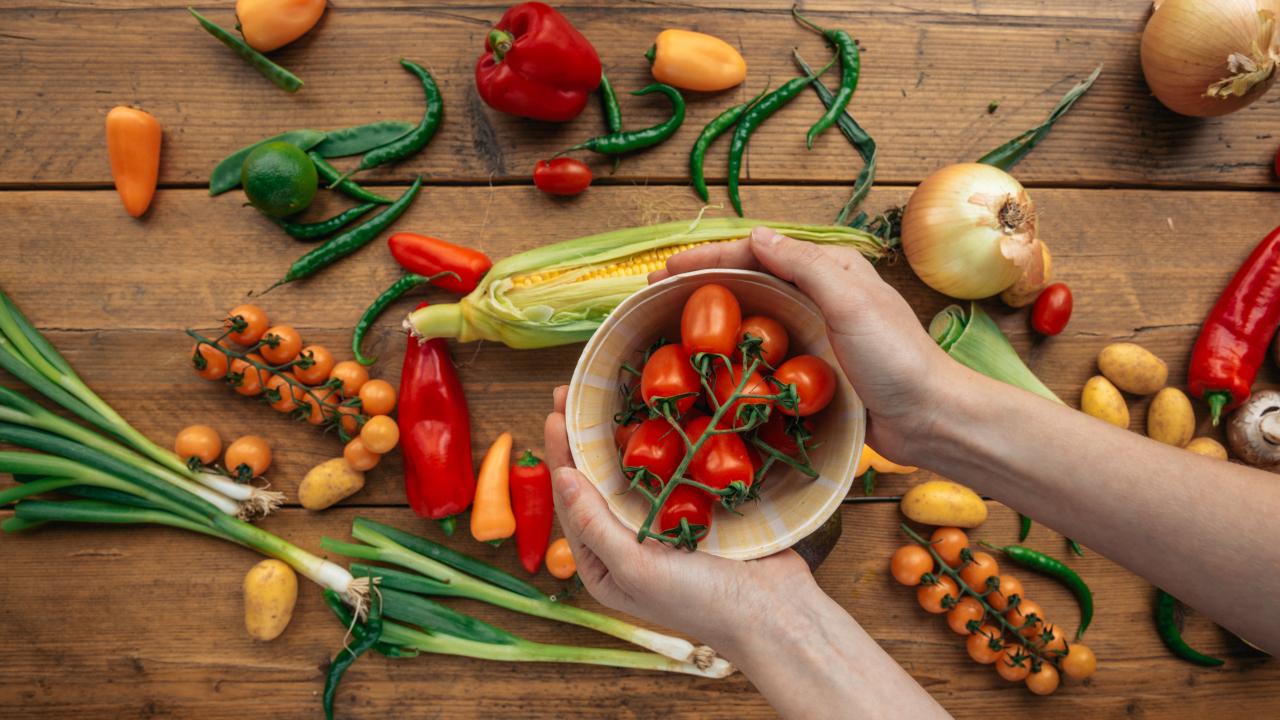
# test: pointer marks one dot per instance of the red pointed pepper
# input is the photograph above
(428, 256)
(537, 65)
(530, 483)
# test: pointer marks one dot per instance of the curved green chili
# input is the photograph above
(407, 282)
(850, 65)
(612, 111)
(1167, 627)
(346, 616)
(417, 138)
(342, 245)
(713, 130)
(317, 230)
(369, 636)
(1058, 570)
(342, 183)
(1024, 527)
(283, 79)
(631, 140)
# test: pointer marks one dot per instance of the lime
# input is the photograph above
(279, 179)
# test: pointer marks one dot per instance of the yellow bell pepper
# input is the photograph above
(695, 61)
(270, 24)
(873, 463)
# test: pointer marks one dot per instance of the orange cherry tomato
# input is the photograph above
(280, 344)
(380, 434)
(352, 375)
(319, 367)
(1028, 617)
(933, 597)
(1014, 664)
(358, 457)
(282, 395)
(252, 321)
(1080, 662)
(1043, 681)
(948, 542)
(326, 409)
(349, 416)
(210, 363)
(966, 609)
(815, 383)
(710, 321)
(774, 341)
(986, 645)
(245, 378)
(377, 397)
(248, 457)
(1009, 586)
(200, 442)
(1053, 641)
(909, 563)
(980, 567)
(560, 561)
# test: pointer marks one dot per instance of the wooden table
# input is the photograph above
(1147, 213)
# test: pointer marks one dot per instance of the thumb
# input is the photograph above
(826, 274)
(587, 520)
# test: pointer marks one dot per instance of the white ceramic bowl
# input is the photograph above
(792, 506)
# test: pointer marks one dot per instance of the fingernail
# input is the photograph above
(566, 481)
(764, 235)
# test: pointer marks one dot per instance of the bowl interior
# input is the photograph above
(791, 506)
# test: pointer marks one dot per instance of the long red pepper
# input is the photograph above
(1234, 338)
(428, 256)
(530, 483)
(435, 433)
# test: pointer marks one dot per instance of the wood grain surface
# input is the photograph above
(1147, 214)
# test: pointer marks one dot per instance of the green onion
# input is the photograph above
(1012, 152)
(975, 341)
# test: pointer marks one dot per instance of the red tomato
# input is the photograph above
(1052, 309)
(721, 460)
(726, 381)
(655, 446)
(623, 433)
(774, 338)
(778, 434)
(686, 503)
(561, 176)
(667, 374)
(756, 460)
(814, 379)
(710, 321)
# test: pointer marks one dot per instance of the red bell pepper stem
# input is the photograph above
(530, 487)
(500, 41)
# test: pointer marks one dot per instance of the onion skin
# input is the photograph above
(1185, 48)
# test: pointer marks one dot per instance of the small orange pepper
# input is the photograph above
(560, 562)
(873, 460)
(696, 61)
(133, 144)
(491, 515)
(270, 24)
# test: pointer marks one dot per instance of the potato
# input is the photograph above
(329, 482)
(942, 502)
(1170, 418)
(1133, 368)
(270, 590)
(1207, 447)
(1102, 400)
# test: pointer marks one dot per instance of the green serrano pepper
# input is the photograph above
(627, 141)
(283, 79)
(342, 183)
(1167, 626)
(226, 174)
(417, 138)
(713, 130)
(612, 111)
(1058, 570)
(407, 282)
(346, 616)
(850, 65)
(318, 230)
(368, 637)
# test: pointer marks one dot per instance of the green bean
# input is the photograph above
(1167, 627)
(362, 138)
(226, 174)
(344, 184)
(850, 62)
(612, 112)
(713, 130)
(365, 641)
(1058, 570)
(632, 140)
(283, 79)
(417, 138)
(324, 228)
(859, 138)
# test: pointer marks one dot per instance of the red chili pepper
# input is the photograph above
(1234, 338)
(530, 483)
(429, 256)
(537, 65)
(435, 433)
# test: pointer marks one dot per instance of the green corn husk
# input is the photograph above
(565, 308)
(976, 341)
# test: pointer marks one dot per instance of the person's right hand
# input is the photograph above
(900, 373)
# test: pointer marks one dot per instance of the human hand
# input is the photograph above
(900, 373)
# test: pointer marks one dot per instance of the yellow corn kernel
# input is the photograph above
(639, 264)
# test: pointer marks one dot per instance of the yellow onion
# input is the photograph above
(969, 231)
(1211, 57)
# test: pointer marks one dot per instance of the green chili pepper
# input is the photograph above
(632, 140)
(850, 62)
(407, 282)
(869, 481)
(364, 641)
(226, 174)
(282, 78)
(859, 138)
(612, 111)
(1058, 570)
(342, 183)
(362, 138)
(317, 230)
(1167, 626)
(713, 130)
(342, 245)
(339, 608)
(418, 138)
(1024, 527)
(1075, 547)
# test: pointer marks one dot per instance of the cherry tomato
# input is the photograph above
(254, 320)
(321, 364)
(349, 417)
(1009, 586)
(561, 176)
(245, 378)
(710, 321)
(775, 433)
(986, 645)
(774, 339)
(380, 434)
(721, 460)
(690, 504)
(980, 567)
(326, 409)
(287, 396)
(248, 457)
(965, 610)
(667, 374)
(815, 383)
(909, 563)
(1027, 617)
(280, 344)
(756, 460)
(948, 542)
(200, 442)
(1014, 664)
(359, 457)
(377, 397)
(933, 597)
(623, 433)
(1052, 310)
(352, 375)
(726, 382)
(1043, 681)
(209, 362)
(560, 561)
(1053, 641)
(1080, 662)
(655, 446)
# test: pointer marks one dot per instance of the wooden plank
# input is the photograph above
(928, 79)
(155, 616)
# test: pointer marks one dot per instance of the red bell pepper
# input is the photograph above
(537, 65)
(435, 433)
(428, 256)
(530, 483)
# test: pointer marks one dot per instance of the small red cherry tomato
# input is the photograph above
(623, 433)
(1052, 309)
(722, 459)
(668, 374)
(815, 383)
(710, 321)
(686, 503)
(655, 446)
(726, 381)
(561, 176)
(778, 433)
(773, 338)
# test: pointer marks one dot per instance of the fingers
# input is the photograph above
(559, 397)
(825, 274)
(587, 520)
(736, 254)
(555, 439)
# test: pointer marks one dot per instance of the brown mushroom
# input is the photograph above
(1254, 431)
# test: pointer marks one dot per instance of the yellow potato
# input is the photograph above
(1133, 368)
(1102, 400)
(1170, 418)
(1207, 447)
(270, 590)
(942, 502)
(329, 482)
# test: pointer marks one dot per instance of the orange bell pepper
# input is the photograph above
(270, 24)
(695, 61)
(133, 144)
(491, 516)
